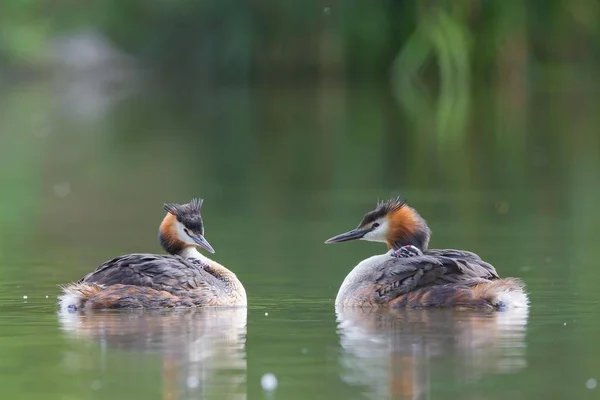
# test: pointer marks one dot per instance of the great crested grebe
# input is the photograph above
(411, 276)
(185, 278)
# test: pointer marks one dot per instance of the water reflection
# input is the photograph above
(397, 354)
(202, 351)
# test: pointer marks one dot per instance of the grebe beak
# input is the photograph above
(354, 234)
(200, 241)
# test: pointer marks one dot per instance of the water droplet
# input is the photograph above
(25, 297)
(266, 314)
(46, 296)
(327, 10)
(565, 324)
(591, 383)
(304, 350)
(192, 382)
(268, 382)
(62, 189)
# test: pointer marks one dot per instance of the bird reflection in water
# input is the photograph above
(202, 350)
(401, 354)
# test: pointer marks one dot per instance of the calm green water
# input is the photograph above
(84, 172)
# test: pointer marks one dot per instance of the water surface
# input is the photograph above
(83, 178)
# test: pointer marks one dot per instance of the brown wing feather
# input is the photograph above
(464, 265)
(168, 273)
(399, 276)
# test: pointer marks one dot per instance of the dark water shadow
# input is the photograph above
(203, 352)
(407, 354)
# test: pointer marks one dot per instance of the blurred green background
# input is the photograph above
(291, 119)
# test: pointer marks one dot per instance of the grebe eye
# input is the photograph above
(375, 225)
(186, 231)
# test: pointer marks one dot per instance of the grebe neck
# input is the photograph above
(235, 287)
(192, 252)
(419, 239)
(174, 247)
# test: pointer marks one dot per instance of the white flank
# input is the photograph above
(70, 299)
(514, 298)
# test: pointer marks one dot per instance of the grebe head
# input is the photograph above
(393, 222)
(182, 227)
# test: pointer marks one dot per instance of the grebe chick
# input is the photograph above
(185, 278)
(411, 276)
